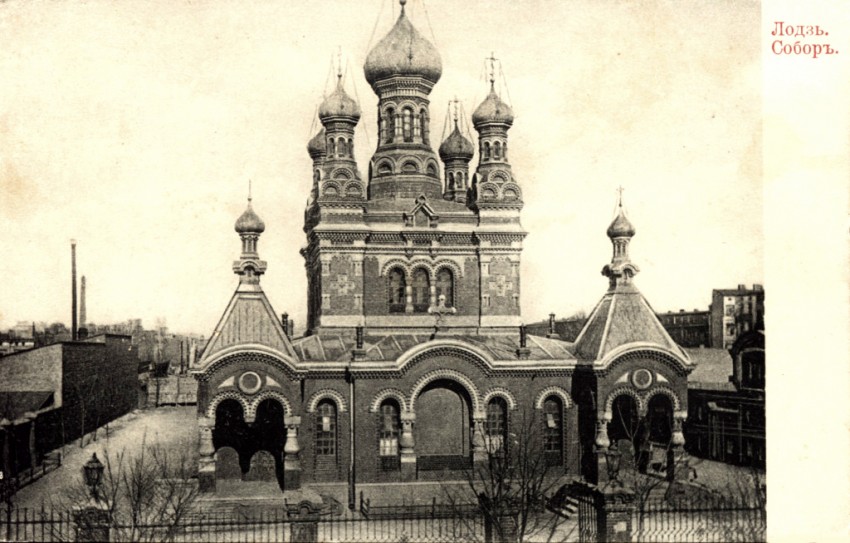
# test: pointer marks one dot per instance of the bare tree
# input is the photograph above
(149, 492)
(513, 485)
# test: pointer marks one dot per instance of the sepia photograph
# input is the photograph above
(383, 270)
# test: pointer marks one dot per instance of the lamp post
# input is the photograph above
(93, 475)
(613, 458)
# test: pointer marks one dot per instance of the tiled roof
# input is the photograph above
(389, 347)
(623, 316)
(13, 404)
(248, 319)
(712, 366)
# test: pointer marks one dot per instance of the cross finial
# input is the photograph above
(249, 190)
(402, 3)
(492, 60)
(339, 64)
(455, 102)
(620, 190)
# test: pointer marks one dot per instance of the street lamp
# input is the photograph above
(93, 474)
(613, 458)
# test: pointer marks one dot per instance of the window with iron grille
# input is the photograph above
(553, 434)
(421, 291)
(445, 286)
(397, 287)
(497, 424)
(326, 429)
(388, 434)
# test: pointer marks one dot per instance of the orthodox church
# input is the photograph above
(415, 364)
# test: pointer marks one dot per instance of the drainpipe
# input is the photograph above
(356, 354)
(351, 463)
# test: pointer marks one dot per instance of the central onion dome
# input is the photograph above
(339, 104)
(403, 52)
(621, 227)
(249, 222)
(493, 110)
(456, 146)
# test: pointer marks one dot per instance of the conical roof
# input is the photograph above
(403, 51)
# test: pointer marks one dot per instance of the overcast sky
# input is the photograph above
(135, 126)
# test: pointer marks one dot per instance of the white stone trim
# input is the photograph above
(553, 391)
(386, 393)
(452, 375)
(320, 395)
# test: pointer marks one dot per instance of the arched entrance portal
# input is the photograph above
(250, 452)
(659, 419)
(443, 421)
(627, 432)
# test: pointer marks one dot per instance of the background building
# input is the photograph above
(688, 328)
(55, 394)
(726, 402)
(735, 312)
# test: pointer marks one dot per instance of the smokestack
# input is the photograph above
(74, 290)
(83, 302)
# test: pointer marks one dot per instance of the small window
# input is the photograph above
(497, 425)
(421, 291)
(445, 286)
(553, 434)
(388, 434)
(326, 429)
(397, 287)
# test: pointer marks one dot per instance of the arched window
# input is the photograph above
(505, 151)
(421, 291)
(497, 150)
(389, 126)
(326, 429)
(445, 286)
(553, 431)
(423, 120)
(486, 150)
(340, 146)
(388, 433)
(496, 434)
(407, 124)
(398, 285)
(350, 147)
(331, 146)
(451, 181)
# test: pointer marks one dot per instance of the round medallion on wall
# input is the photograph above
(642, 378)
(250, 382)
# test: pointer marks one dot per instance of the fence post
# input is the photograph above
(614, 507)
(304, 525)
(92, 522)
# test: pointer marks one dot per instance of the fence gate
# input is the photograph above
(587, 525)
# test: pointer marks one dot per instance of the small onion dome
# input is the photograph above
(493, 110)
(339, 104)
(403, 52)
(317, 146)
(249, 222)
(456, 146)
(621, 227)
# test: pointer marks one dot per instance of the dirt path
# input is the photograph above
(174, 428)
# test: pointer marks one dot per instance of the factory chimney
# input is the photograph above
(73, 290)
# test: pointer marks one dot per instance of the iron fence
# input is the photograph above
(705, 518)
(271, 526)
